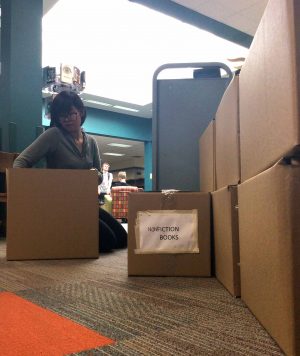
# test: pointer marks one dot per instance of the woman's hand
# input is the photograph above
(100, 176)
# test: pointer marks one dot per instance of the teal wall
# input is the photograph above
(21, 77)
(113, 124)
(108, 123)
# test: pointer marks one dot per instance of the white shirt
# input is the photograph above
(105, 186)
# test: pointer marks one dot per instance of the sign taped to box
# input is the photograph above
(166, 231)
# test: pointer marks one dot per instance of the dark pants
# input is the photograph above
(112, 235)
(101, 198)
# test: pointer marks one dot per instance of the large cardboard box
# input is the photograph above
(180, 264)
(207, 159)
(269, 90)
(226, 238)
(228, 137)
(52, 213)
(269, 232)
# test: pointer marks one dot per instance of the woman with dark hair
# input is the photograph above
(65, 145)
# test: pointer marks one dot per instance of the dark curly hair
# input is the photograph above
(62, 105)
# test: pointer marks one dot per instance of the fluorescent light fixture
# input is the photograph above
(118, 145)
(113, 154)
(125, 108)
(96, 102)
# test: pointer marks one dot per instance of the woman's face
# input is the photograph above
(71, 122)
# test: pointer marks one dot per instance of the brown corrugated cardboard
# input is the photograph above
(182, 264)
(52, 213)
(227, 137)
(226, 238)
(207, 159)
(269, 232)
(269, 90)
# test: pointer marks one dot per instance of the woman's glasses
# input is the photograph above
(70, 116)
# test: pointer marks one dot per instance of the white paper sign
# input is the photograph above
(167, 231)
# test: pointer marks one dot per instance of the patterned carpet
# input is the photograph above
(145, 315)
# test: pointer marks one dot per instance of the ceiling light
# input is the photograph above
(97, 102)
(113, 154)
(125, 108)
(118, 145)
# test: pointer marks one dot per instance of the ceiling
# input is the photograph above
(133, 155)
(243, 15)
(237, 17)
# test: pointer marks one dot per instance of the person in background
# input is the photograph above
(105, 186)
(65, 145)
(122, 179)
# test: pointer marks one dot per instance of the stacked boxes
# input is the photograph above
(226, 238)
(225, 213)
(266, 234)
(221, 141)
(269, 216)
(227, 144)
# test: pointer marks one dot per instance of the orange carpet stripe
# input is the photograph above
(27, 329)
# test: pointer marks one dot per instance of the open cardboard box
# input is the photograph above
(52, 214)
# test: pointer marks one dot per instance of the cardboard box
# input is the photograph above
(226, 238)
(207, 159)
(269, 232)
(269, 90)
(182, 264)
(52, 213)
(228, 137)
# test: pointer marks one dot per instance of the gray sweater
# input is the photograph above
(60, 151)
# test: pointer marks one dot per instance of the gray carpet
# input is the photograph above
(145, 315)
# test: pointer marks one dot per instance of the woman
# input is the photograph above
(65, 145)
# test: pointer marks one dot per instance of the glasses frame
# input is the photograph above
(72, 115)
